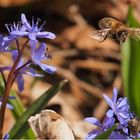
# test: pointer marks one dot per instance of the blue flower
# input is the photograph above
(119, 113)
(16, 30)
(5, 137)
(107, 123)
(118, 107)
(27, 70)
(32, 31)
(118, 135)
(38, 54)
(4, 43)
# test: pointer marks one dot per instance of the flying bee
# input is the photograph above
(134, 127)
(114, 28)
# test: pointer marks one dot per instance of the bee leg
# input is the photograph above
(120, 42)
(118, 38)
(121, 38)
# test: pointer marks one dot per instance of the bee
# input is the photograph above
(134, 127)
(114, 28)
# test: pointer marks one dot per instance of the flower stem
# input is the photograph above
(8, 88)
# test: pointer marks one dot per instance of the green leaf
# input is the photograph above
(16, 103)
(131, 67)
(21, 125)
(107, 133)
(18, 108)
(17, 112)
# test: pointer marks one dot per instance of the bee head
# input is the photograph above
(122, 35)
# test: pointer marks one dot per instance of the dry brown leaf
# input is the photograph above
(68, 106)
(50, 125)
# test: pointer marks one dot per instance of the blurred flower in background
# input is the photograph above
(119, 114)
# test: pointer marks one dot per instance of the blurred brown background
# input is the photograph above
(92, 68)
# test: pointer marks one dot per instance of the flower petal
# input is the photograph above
(117, 135)
(20, 82)
(46, 35)
(122, 103)
(91, 135)
(5, 137)
(110, 113)
(19, 33)
(7, 105)
(93, 121)
(115, 94)
(47, 68)
(109, 101)
(33, 73)
(25, 22)
(40, 52)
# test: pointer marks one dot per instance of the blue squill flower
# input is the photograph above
(119, 113)
(38, 54)
(16, 30)
(118, 107)
(102, 127)
(32, 31)
(5, 42)
(118, 135)
(25, 70)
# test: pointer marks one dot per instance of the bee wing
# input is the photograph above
(100, 35)
(135, 33)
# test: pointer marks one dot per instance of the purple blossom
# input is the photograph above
(5, 42)
(27, 70)
(107, 123)
(118, 114)
(16, 30)
(118, 135)
(5, 137)
(20, 66)
(38, 54)
(32, 31)
(118, 107)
